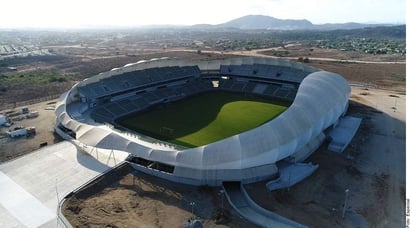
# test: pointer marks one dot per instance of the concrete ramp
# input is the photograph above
(32, 186)
(291, 174)
(247, 208)
(343, 133)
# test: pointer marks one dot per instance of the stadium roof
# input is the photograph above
(321, 99)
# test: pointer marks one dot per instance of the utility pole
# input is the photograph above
(58, 205)
(193, 205)
(222, 196)
(346, 203)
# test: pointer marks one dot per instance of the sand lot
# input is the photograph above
(139, 200)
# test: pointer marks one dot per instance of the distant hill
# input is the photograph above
(349, 25)
(266, 22)
(260, 22)
(379, 32)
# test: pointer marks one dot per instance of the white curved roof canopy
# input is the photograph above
(321, 99)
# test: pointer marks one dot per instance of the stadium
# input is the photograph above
(125, 109)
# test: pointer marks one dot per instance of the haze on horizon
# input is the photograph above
(129, 13)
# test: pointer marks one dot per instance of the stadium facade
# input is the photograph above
(86, 113)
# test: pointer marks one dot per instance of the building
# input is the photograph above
(318, 99)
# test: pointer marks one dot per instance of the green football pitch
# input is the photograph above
(203, 118)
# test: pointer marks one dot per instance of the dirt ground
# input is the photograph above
(384, 76)
(139, 200)
(300, 50)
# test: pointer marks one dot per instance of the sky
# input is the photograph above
(80, 13)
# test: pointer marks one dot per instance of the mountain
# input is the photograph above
(349, 25)
(260, 22)
(266, 22)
